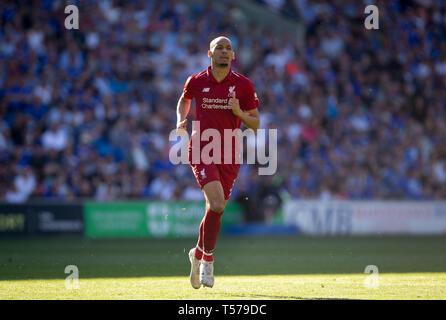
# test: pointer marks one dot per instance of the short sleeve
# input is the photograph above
(250, 99)
(187, 91)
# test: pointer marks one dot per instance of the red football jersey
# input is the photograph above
(211, 98)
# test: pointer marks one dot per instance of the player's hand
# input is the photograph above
(181, 128)
(235, 105)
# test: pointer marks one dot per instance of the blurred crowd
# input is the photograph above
(361, 114)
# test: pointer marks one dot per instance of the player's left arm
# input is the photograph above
(250, 118)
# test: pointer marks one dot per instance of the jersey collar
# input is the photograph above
(212, 79)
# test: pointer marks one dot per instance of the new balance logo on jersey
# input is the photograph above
(206, 89)
(203, 175)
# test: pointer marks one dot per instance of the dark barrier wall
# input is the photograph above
(110, 219)
(35, 218)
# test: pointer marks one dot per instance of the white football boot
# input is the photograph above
(194, 270)
(207, 273)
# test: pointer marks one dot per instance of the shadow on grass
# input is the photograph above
(47, 257)
(276, 297)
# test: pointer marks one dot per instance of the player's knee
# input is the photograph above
(217, 205)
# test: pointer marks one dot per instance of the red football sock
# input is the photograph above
(211, 228)
(199, 247)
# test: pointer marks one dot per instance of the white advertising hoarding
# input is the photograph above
(366, 217)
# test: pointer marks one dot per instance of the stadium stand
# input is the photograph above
(87, 113)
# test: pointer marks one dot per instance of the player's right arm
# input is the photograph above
(183, 107)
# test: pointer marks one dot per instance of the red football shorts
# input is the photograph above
(225, 173)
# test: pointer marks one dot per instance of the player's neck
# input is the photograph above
(219, 72)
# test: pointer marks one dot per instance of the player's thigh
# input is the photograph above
(228, 175)
(205, 173)
(208, 178)
(214, 194)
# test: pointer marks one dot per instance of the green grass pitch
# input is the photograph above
(280, 267)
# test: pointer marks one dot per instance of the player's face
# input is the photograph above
(222, 53)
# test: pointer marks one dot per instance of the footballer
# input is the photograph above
(224, 99)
